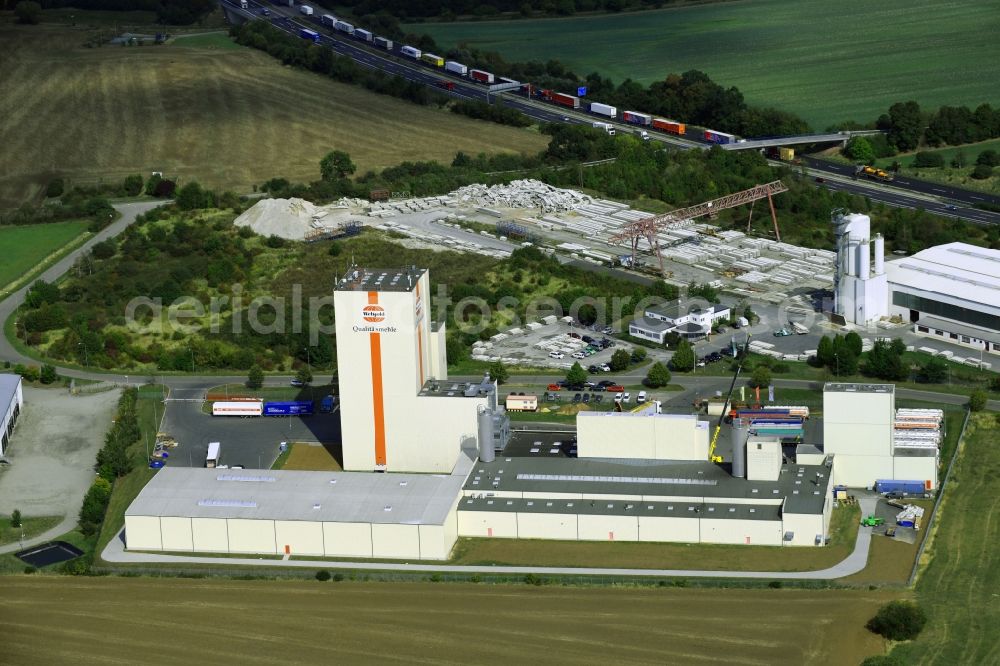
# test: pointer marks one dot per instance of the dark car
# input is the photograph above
(598, 398)
(820, 179)
(895, 494)
(593, 369)
(587, 338)
(604, 383)
(576, 397)
(575, 335)
(586, 397)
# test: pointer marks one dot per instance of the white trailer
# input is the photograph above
(306, 10)
(212, 459)
(327, 19)
(607, 127)
(238, 408)
(411, 52)
(344, 26)
(456, 68)
(603, 109)
(364, 35)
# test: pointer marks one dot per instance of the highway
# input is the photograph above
(903, 192)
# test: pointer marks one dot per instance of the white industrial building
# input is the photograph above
(860, 432)
(644, 435)
(860, 288)
(687, 321)
(950, 292)
(11, 404)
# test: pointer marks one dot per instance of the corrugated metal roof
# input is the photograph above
(8, 387)
(958, 270)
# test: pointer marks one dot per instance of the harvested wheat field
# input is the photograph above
(226, 117)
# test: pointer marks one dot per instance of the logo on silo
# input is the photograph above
(373, 314)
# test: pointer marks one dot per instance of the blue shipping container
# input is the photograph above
(289, 408)
(327, 404)
(909, 487)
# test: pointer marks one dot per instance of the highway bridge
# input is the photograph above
(902, 192)
(798, 140)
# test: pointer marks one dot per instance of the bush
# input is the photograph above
(658, 376)
(323, 575)
(990, 158)
(337, 577)
(15, 518)
(55, 188)
(898, 621)
(775, 585)
(982, 172)
(275, 242)
(532, 579)
(934, 371)
(48, 374)
(977, 400)
(924, 160)
(132, 185)
(27, 12)
(255, 378)
(761, 377)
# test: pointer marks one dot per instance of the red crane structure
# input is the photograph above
(650, 227)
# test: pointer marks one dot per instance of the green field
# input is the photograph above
(948, 174)
(960, 585)
(50, 620)
(826, 61)
(24, 247)
(228, 117)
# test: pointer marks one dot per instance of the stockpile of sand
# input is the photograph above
(287, 218)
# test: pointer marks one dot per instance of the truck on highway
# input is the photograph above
(311, 35)
(447, 85)
(669, 126)
(873, 172)
(607, 127)
(344, 27)
(719, 137)
(636, 118)
(328, 19)
(481, 76)
(433, 59)
(214, 452)
(383, 43)
(306, 10)
(571, 101)
(456, 68)
(243, 4)
(411, 52)
(604, 109)
(363, 35)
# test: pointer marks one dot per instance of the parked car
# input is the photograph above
(627, 397)
(605, 368)
(574, 335)
(615, 388)
(554, 387)
(618, 397)
(782, 332)
(587, 338)
(593, 369)
(598, 397)
(297, 382)
(586, 397)
(579, 354)
(641, 397)
(577, 397)
(608, 330)
(604, 383)
(556, 355)
(550, 397)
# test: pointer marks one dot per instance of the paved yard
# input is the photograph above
(53, 451)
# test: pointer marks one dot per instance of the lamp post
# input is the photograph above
(86, 354)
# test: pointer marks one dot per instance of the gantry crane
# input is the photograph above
(650, 227)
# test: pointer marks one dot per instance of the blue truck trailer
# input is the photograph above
(289, 408)
(311, 35)
(895, 485)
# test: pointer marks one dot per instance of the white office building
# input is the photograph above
(950, 292)
(687, 321)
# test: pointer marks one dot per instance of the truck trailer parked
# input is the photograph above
(344, 27)
(238, 408)
(363, 35)
(481, 76)
(383, 43)
(289, 408)
(411, 52)
(214, 452)
(456, 68)
(604, 109)
(327, 19)
(306, 10)
(566, 100)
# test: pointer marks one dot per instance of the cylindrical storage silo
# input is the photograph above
(864, 259)
(486, 453)
(847, 259)
(740, 433)
(879, 254)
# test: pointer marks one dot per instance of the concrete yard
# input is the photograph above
(53, 451)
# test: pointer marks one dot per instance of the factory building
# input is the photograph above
(860, 286)
(398, 411)
(11, 404)
(684, 320)
(949, 292)
(870, 440)
(645, 435)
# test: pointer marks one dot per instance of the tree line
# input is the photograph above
(449, 10)
(169, 12)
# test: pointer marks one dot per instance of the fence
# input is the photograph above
(937, 502)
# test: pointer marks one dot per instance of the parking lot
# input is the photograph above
(550, 345)
(53, 451)
(251, 442)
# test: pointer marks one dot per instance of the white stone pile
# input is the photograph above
(522, 194)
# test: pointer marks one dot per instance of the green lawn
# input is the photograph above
(25, 247)
(826, 61)
(212, 40)
(30, 527)
(959, 586)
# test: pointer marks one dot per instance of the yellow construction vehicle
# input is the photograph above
(725, 406)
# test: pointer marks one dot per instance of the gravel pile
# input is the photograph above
(287, 218)
(522, 194)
